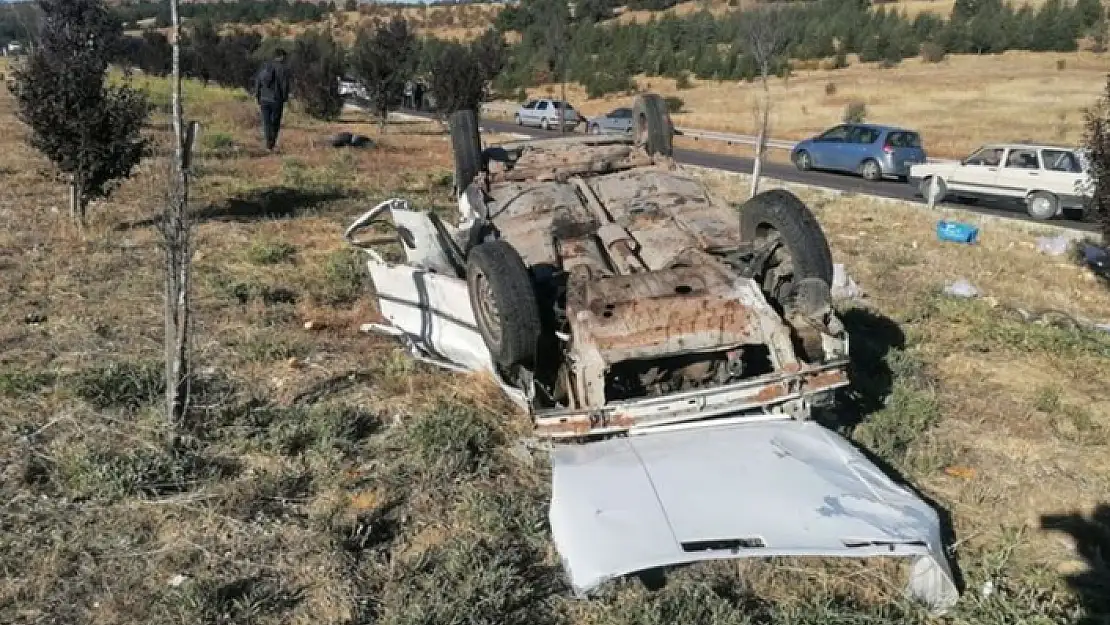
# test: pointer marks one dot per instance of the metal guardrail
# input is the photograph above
(713, 135)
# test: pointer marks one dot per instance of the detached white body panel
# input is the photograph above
(756, 489)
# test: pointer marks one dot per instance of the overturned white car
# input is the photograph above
(673, 349)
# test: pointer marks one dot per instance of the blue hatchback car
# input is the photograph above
(872, 151)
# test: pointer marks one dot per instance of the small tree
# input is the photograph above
(177, 241)
(1097, 143)
(383, 59)
(90, 130)
(317, 62)
(490, 54)
(765, 35)
(457, 83)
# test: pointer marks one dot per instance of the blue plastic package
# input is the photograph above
(957, 232)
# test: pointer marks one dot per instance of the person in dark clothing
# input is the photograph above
(418, 96)
(271, 89)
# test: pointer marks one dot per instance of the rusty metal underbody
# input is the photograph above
(660, 326)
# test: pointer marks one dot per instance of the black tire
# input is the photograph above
(780, 212)
(651, 125)
(926, 187)
(1042, 205)
(803, 161)
(504, 302)
(340, 140)
(871, 170)
(466, 147)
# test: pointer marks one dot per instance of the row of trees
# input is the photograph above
(383, 59)
(604, 55)
(241, 11)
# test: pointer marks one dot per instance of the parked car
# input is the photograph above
(669, 348)
(545, 113)
(872, 151)
(1046, 179)
(618, 121)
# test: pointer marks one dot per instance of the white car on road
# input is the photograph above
(546, 113)
(1047, 179)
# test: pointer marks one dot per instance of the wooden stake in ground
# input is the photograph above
(176, 231)
(765, 36)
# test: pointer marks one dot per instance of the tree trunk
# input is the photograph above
(176, 231)
(563, 111)
(761, 139)
(76, 202)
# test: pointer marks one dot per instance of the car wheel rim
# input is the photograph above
(487, 307)
(803, 160)
(870, 170)
(1042, 206)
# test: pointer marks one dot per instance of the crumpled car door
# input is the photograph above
(421, 300)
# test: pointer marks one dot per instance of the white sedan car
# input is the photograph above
(545, 113)
(1046, 179)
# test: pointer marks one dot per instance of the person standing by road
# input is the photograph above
(271, 89)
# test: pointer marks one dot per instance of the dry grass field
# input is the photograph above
(956, 104)
(323, 477)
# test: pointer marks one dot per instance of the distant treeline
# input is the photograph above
(605, 56)
(237, 11)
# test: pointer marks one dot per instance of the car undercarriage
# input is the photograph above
(622, 306)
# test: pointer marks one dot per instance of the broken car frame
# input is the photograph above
(609, 293)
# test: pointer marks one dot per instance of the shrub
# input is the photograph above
(682, 82)
(601, 83)
(674, 104)
(343, 275)
(855, 112)
(317, 64)
(830, 88)
(932, 52)
(383, 59)
(1097, 143)
(1061, 64)
(270, 253)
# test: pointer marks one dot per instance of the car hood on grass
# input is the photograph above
(761, 489)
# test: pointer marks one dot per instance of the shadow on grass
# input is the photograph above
(1092, 543)
(267, 203)
(873, 336)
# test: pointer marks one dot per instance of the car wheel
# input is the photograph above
(651, 125)
(1042, 205)
(871, 170)
(504, 302)
(466, 147)
(519, 121)
(804, 251)
(938, 194)
(546, 125)
(803, 161)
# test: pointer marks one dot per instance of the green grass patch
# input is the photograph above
(126, 384)
(270, 252)
(23, 383)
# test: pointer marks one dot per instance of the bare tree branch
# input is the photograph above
(765, 38)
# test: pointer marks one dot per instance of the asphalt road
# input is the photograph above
(788, 173)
